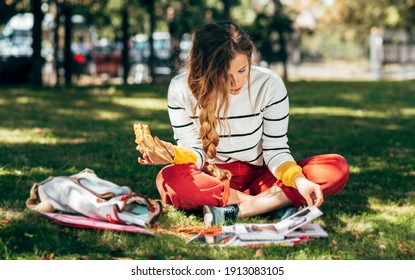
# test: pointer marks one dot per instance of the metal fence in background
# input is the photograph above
(392, 54)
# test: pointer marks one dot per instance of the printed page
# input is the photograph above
(285, 242)
(214, 239)
(298, 219)
(258, 232)
(312, 230)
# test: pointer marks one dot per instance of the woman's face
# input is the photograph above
(238, 73)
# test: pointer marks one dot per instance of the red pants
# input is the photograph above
(186, 187)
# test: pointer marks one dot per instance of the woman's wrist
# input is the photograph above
(288, 172)
(183, 155)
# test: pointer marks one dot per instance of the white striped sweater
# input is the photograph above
(258, 123)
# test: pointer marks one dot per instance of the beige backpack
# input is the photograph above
(86, 194)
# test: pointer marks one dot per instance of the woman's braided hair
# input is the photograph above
(214, 46)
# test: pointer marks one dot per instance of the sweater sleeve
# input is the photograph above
(287, 172)
(183, 123)
(276, 151)
(184, 155)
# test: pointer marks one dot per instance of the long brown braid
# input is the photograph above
(214, 46)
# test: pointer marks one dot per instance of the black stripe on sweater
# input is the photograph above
(276, 120)
(275, 149)
(242, 134)
(175, 108)
(255, 159)
(232, 117)
(276, 102)
(275, 136)
(181, 126)
(237, 151)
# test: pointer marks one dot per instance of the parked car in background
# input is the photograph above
(107, 58)
(82, 58)
(185, 46)
(16, 49)
(140, 57)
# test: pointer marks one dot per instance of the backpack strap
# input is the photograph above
(99, 187)
(34, 203)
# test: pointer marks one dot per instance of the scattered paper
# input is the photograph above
(290, 231)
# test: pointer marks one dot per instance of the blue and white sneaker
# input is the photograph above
(219, 215)
(282, 213)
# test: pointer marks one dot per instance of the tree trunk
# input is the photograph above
(227, 9)
(175, 62)
(56, 41)
(284, 54)
(151, 12)
(37, 63)
(125, 46)
(67, 11)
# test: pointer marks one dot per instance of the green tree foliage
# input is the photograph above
(380, 13)
(186, 15)
(270, 32)
(361, 16)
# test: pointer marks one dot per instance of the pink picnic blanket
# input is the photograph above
(85, 222)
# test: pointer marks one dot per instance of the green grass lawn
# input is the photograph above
(51, 132)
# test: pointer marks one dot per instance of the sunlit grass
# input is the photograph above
(359, 225)
(355, 169)
(16, 136)
(408, 112)
(348, 112)
(381, 214)
(393, 209)
(24, 170)
(34, 136)
(142, 103)
(104, 114)
(352, 96)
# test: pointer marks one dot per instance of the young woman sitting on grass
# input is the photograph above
(230, 121)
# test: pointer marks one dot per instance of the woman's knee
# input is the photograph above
(338, 175)
(174, 176)
(185, 186)
(343, 172)
(330, 171)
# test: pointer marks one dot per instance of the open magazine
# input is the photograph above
(292, 230)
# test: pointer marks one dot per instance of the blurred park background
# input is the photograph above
(93, 42)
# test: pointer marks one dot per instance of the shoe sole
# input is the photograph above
(207, 216)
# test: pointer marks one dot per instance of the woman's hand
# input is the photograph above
(311, 192)
(155, 151)
(145, 159)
